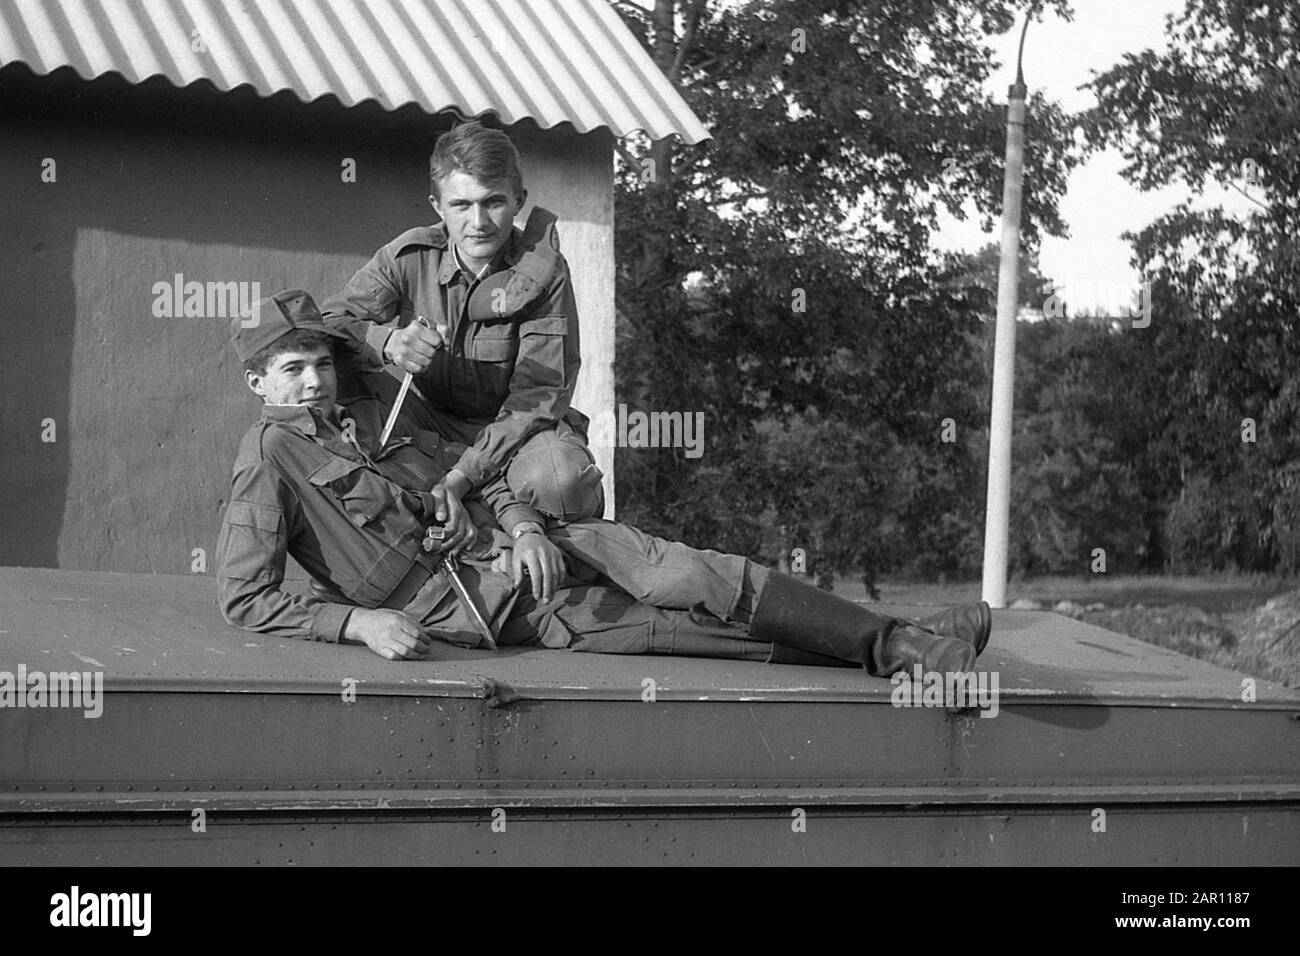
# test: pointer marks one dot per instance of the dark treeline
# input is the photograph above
(781, 279)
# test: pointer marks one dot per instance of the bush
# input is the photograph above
(1212, 526)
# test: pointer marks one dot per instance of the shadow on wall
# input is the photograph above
(118, 418)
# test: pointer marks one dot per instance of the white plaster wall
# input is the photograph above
(149, 410)
(573, 176)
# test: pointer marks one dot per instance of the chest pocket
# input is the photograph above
(493, 342)
(365, 496)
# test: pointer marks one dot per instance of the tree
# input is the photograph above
(780, 277)
(1222, 104)
(1079, 437)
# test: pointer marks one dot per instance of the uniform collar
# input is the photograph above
(305, 418)
(451, 265)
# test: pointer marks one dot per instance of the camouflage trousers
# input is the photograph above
(624, 592)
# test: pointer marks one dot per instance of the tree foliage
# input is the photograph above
(780, 277)
(1222, 104)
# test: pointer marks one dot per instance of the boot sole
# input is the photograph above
(982, 630)
(986, 628)
(957, 656)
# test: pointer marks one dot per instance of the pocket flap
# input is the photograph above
(494, 332)
(492, 343)
(332, 470)
(251, 515)
(545, 325)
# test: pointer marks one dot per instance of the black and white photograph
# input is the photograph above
(651, 433)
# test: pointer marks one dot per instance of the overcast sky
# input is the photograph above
(1099, 205)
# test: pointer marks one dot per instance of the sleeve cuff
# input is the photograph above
(328, 623)
(514, 515)
(377, 337)
(475, 466)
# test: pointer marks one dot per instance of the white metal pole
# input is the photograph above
(997, 519)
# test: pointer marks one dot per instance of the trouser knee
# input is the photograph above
(557, 476)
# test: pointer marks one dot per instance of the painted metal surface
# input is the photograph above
(260, 736)
(1136, 836)
(151, 631)
(552, 61)
(151, 746)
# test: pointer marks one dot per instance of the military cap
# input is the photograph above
(275, 316)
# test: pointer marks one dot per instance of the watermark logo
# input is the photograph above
(75, 908)
(953, 690)
(1114, 300)
(182, 299)
(38, 689)
(1250, 173)
(661, 430)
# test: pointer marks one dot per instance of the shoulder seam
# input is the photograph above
(430, 236)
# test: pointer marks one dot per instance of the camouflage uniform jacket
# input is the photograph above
(513, 356)
(342, 509)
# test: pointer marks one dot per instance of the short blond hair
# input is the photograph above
(486, 154)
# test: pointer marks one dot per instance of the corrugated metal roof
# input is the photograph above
(553, 61)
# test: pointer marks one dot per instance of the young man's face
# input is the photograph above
(479, 215)
(297, 378)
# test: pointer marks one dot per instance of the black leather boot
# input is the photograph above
(971, 623)
(908, 645)
(809, 626)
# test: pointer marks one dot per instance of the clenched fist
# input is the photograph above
(411, 349)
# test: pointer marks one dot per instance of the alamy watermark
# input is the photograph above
(1114, 300)
(952, 690)
(182, 299)
(78, 909)
(661, 430)
(38, 689)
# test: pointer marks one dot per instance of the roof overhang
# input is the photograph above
(551, 61)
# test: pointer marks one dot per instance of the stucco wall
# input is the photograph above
(153, 182)
(574, 178)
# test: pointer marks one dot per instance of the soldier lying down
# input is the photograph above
(373, 525)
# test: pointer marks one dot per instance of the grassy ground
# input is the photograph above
(1217, 594)
(1220, 618)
